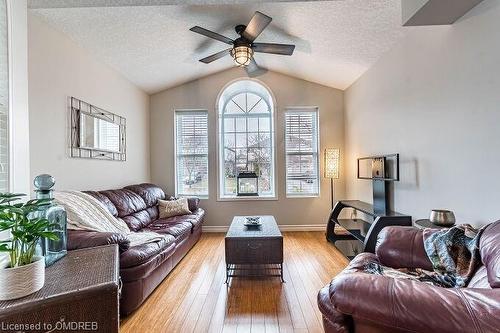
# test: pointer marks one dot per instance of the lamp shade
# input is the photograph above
(332, 158)
(242, 55)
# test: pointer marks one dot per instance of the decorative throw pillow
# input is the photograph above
(169, 208)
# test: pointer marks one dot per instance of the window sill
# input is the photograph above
(306, 196)
(256, 198)
(201, 197)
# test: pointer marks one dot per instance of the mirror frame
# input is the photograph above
(79, 107)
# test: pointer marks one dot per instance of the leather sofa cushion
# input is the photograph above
(145, 269)
(179, 229)
(402, 247)
(125, 201)
(104, 200)
(80, 239)
(140, 254)
(195, 218)
(137, 221)
(150, 193)
(480, 279)
(489, 247)
(412, 305)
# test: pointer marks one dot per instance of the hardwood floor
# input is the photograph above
(194, 298)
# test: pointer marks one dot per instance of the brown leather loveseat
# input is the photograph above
(143, 267)
(359, 302)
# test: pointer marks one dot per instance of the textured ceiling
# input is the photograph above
(152, 46)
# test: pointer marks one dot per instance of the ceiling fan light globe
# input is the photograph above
(242, 55)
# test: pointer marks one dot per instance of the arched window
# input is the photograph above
(246, 137)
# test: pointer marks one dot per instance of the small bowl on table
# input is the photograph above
(442, 217)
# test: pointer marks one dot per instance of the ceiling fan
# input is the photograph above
(243, 48)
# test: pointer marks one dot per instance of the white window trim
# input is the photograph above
(274, 116)
(302, 109)
(10, 105)
(192, 111)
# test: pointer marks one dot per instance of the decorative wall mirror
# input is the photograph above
(96, 133)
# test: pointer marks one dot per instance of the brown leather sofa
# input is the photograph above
(359, 302)
(143, 267)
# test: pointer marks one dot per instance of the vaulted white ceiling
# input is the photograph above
(336, 41)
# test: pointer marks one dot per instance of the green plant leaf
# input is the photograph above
(50, 235)
(6, 225)
(25, 225)
(16, 210)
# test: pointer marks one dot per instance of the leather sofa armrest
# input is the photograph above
(80, 239)
(193, 203)
(415, 306)
(402, 247)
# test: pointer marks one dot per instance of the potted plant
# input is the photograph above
(24, 272)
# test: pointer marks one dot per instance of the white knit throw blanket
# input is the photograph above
(87, 213)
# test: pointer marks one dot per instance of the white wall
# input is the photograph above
(288, 91)
(18, 49)
(58, 68)
(434, 98)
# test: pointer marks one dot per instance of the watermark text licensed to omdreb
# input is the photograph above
(59, 326)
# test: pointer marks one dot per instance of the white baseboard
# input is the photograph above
(284, 227)
(214, 228)
(302, 227)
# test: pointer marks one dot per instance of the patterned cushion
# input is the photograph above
(169, 208)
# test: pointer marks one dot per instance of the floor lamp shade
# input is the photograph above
(332, 159)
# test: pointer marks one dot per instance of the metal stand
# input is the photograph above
(363, 232)
(332, 192)
(232, 269)
(381, 196)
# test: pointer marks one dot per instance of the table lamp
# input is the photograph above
(332, 158)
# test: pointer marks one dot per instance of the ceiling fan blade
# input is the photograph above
(254, 70)
(256, 25)
(283, 49)
(211, 34)
(215, 56)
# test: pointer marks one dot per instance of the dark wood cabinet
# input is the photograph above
(81, 294)
(249, 246)
(254, 251)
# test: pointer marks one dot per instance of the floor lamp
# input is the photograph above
(332, 158)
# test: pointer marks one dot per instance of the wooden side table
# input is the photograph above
(426, 223)
(81, 293)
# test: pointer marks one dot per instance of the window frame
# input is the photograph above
(9, 114)
(302, 110)
(220, 141)
(176, 185)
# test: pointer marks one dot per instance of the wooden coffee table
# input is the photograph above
(254, 249)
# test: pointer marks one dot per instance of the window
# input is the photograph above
(246, 137)
(4, 100)
(301, 148)
(191, 149)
